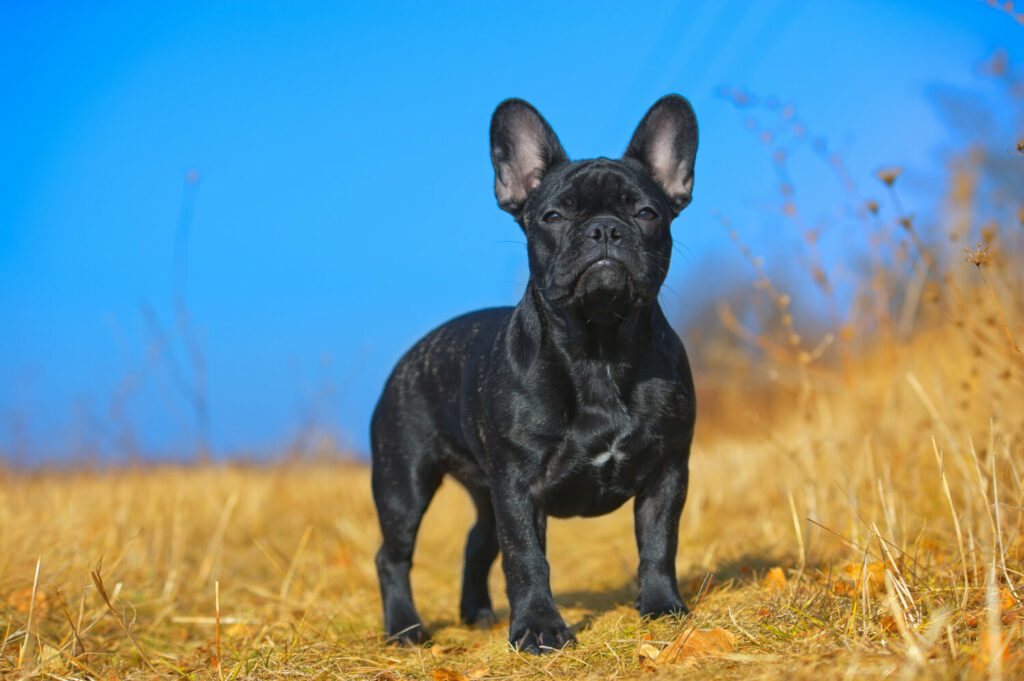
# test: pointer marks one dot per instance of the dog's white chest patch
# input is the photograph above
(604, 457)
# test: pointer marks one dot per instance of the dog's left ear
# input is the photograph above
(665, 142)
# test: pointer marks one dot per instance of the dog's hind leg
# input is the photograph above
(402, 490)
(481, 550)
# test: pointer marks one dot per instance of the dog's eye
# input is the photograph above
(552, 217)
(646, 214)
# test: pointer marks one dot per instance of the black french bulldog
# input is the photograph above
(567, 404)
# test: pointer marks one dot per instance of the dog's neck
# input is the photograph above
(580, 339)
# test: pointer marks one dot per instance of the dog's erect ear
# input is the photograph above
(665, 142)
(523, 149)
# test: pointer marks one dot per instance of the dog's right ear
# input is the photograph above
(523, 149)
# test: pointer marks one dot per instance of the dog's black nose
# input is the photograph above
(601, 230)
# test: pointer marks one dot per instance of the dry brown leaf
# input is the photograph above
(871, 575)
(1007, 605)
(443, 651)
(694, 644)
(20, 599)
(478, 672)
(841, 588)
(646, 654)
(774, 580)
(441, 674)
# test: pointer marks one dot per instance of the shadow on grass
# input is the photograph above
(745, 569)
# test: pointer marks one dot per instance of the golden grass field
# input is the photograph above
(855, 512)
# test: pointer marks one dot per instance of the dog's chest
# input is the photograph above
(602, 456)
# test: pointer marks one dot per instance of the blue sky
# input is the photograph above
(344, 205)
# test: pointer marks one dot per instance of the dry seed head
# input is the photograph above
(872, 206)
(978, 257)
(889, 175)
(1020, 146)
(907, 222)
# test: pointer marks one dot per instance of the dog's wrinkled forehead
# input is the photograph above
(599, 185)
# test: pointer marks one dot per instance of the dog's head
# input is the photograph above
(597, 230)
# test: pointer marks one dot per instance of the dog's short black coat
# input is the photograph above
(569, 403)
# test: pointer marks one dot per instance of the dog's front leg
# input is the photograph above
(656, 515)
(535, 625)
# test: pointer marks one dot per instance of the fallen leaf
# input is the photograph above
(775, 579)
(764, 612)
(446, 675)
(841, 588)
(888, 624)
(50, 657)
(646, 654)
(478, 672)
(442, 651)
(1007, 605)
(21, 599)
(694, 644)
(859, 575)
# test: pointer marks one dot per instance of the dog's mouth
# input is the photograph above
(602, 278)
(604, 290)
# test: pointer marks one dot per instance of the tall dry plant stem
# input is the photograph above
(31, 612)
(999, 308)
(97, 579)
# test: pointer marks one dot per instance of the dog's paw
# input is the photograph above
(412, 635)
(541, 636)
(667, 607)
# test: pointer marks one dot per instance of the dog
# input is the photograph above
(568, 404)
